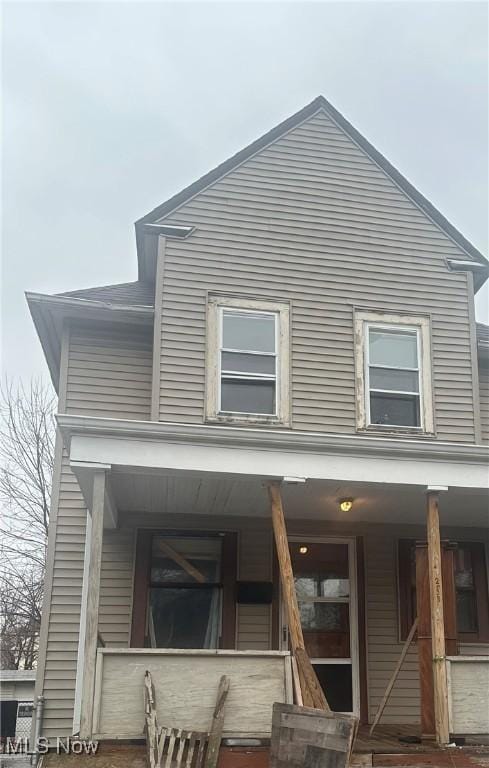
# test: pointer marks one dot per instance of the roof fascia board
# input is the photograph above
(322, 105)
(354, 445)
(79, 305)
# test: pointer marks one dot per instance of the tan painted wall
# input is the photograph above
(312, 220)
(107, 372)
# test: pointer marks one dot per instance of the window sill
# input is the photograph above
(255, 421)
(413, 433)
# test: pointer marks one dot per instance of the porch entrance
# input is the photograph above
(326, 587)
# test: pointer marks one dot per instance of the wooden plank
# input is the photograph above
(188, 682)
(296, 683)
(393, 679)
(217, 724)
(312, 693)
(440, 688)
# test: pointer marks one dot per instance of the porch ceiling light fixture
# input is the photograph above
(346, 504)
(303, 550)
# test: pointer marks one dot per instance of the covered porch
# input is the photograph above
(161, 505)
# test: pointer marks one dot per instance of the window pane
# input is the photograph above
(185, 560)
(332, 617)
(248, 396)
(335, 680)
(242, 363)
(466, 611)
(464, 573)
(393, 348)
(184, 618)
(397, 410)
(248, 331)
(387, 378)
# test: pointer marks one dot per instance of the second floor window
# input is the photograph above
(247, 360)
(393, 378)
(392, 371)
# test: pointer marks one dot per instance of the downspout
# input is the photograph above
(37, 729)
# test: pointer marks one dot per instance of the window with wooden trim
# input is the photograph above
(472, 601)
(247, 360)
(184, 590)
(393, 372)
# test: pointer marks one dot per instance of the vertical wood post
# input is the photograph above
(312, 693)
(440, 688)
(93, 596)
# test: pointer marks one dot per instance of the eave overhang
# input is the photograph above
(50, 312)
(272, 453)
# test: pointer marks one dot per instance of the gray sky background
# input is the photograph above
(110, 108)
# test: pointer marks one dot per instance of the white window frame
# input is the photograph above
(420, 325)
(216, 306)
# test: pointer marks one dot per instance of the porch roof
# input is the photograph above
(180, 468)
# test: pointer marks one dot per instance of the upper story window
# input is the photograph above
(247, 360)
(393, 381)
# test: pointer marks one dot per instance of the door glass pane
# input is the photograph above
(247, 331)
(184, 617)
(248, 396)
(326, 629)
(393, 348)
(186, 559)
(238, 362)
(397, 410)
(388, 378)
(336, 682)
(320, 571)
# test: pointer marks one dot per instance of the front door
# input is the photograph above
(325, 582)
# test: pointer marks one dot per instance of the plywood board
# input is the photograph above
(186, 684)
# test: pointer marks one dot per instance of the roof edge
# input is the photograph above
(319, 103)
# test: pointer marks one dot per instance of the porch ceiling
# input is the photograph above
(216, 494)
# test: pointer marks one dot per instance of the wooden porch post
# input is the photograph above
(440, 688)
(93, 595)
(312, 693)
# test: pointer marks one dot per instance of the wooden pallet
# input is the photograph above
(303, 737)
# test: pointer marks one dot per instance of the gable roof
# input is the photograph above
(138, 293)
(318, 104)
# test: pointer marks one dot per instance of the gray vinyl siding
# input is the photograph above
(312, 220)
(484, 401)
(108, 374)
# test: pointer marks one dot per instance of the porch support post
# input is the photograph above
(440, 688)
(92, 606)
(312, 693)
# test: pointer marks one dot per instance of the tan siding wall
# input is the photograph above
(312, 220)
(101, 367)
(110, 372)
(116, 587)
(383, 646)
(484, 401)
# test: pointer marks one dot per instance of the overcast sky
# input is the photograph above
(110, 108)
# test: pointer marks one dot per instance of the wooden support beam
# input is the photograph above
(312, 693)
(393, 679)
(93, 596)
(440, 688)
